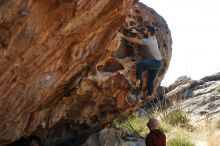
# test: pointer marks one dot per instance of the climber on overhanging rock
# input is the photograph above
(148, 45)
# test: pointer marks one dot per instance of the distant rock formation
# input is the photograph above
(203, 97)
(64, 71)
(179, 81)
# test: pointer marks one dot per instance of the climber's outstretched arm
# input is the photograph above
(132, 39)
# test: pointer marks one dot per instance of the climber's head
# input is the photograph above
(149, 30)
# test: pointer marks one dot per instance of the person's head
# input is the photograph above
(34, 141)
(153, 123)
(149, 30)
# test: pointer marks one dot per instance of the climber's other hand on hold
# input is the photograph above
(134, 31)
(121, 35)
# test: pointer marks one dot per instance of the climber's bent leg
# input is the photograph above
(150, 82)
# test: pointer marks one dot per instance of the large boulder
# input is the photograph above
(113, 137)
(64, 71)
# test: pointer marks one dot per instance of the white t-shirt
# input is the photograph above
(152, 46)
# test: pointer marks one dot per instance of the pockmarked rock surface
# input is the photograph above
(64, 71)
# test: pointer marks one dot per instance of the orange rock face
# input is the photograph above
(64, 71)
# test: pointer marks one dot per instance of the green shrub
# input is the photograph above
(165, 127)
(133, 123)
(180, 141)
(176, 117)
(218, 89)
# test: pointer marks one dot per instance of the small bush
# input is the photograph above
(165, 127)
(133, 123)
(218, 89)
(180, 141)
(176, 117)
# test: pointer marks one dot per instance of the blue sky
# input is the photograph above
(195, 29)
